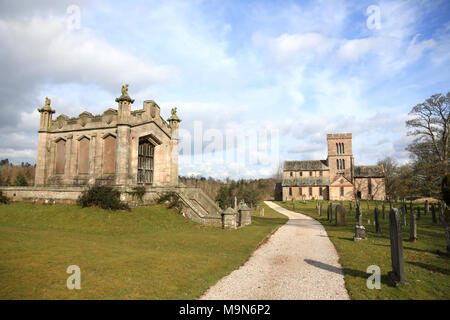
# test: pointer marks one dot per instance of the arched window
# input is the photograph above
(343, 149)
(109, 154)
(337, 164)
(83, 156)
(337, 148)
(343, 164)
(60, 156)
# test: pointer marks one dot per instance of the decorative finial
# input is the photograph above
(125, 96)
(174, 116)
(46, 106)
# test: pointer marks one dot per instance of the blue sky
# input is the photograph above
(291, 70)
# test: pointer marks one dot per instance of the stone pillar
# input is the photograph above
(123, 138)
(397, 275)
(174, 123)
(229, 218)
(245, 215)
(42, 157)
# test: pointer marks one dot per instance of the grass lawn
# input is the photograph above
(148, 253)
(427, 268)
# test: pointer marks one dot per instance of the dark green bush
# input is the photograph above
(102, 196)
(172, 200)
(138, 193)
(3, 199)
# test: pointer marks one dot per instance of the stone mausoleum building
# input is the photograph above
(121, 148)
(335, 178)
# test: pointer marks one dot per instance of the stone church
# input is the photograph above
(335, 178)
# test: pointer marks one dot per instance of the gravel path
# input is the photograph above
(298, 262)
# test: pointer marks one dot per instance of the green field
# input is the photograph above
(426, 264)
(148, 253)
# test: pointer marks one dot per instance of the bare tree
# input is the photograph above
(430, 126)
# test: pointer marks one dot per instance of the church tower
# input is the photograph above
(340, 156)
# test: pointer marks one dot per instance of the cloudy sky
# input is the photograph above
(255, 82)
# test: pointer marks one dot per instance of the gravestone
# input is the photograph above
(340, 215)
(418, 213)
(350, 207)
(320, 209)
(397, 275)
(328, 211)
(360, 231)
(377, 220)
(426, 208)
(412, 226)
(383, 209)
(442, 208)
(404, 214)
(433, 213)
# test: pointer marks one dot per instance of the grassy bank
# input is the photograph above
(148, 253)
(426, 265)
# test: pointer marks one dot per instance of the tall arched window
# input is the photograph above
(60, 156)
(337, 148)
(83, 156)
(343, 164)
(337, 164)
(343, 150)
(109, 154)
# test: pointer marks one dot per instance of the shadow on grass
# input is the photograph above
(346, 271)
(430, 267)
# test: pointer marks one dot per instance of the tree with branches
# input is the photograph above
(429, 150)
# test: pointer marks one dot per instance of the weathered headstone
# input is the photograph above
(360, 231)
(377, 220)
(320, 209)
(418, 213)
(433, 213)
(426, 208)
(404, 214)
(444, 222)
(397, 275)
(412, 226)
(340, 215)
(383, 209)
(328, 211)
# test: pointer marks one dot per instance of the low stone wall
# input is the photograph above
(196, 206)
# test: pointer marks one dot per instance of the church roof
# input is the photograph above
(305, 165)
(369, 172)
(306, 181)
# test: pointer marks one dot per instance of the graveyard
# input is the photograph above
(425, 260)
(147, 253)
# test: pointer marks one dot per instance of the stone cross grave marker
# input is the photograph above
(360, 231)
(397, 275)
